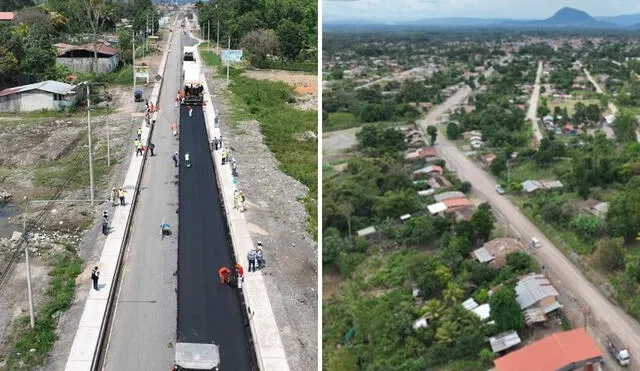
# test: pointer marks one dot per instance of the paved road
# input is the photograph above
(145, 317)
(608, 314)
(207, 310)
(532, 113)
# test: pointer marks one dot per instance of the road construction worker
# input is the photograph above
(174, 129)
(225, 274)
(121, 193)
(239, 271)
(139, 133)
(251, 257)
(241, 200)
(114, 196)
(175, 159)
(138, 145)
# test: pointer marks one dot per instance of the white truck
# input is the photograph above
(618, 350)
(197, 356)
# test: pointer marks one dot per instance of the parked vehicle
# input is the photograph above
(499, 189)
(535, 242)
(618, 350)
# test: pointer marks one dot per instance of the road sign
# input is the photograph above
(231, 55)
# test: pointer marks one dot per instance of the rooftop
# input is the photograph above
(504, 341)
(49, 86)
(552, 353)
(456, 202)
(447, 195)
(533, 288)
(7, 16)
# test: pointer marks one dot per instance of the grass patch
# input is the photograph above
(58, 299)
(529, 170)
(122, 75)
(570, 105)
(53, 174)
(282, 125)
(210, 58)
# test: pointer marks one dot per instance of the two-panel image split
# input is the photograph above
(334, 185)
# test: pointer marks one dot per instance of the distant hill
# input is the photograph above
(622, 20)
(563, 18)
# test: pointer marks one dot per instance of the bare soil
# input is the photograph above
(28, 144)
(277, 218)
(335, 144)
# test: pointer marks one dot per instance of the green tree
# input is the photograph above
(432, 131)
(610, 254)
(625, 127)
(259, 44)
(453, 131)
(342, 359)
(13, 5)
(498, 165)
(623, 216)
(95, 14)
(505, 310)
(482, 223)
(290, 37)
(40, 55)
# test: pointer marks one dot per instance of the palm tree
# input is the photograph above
(452, 293)
(433, 309)
(447, 332)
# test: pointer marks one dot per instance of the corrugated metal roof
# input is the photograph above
(446, 195)
(469, 304)
(483, 311)
(366, 231)
(437, 207)
(533, 288)
(531, 185)
(504, 341)
(483, 255)
(50, 86)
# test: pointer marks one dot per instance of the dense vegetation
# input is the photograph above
(265, 29)
(367, 325)
(27, 53)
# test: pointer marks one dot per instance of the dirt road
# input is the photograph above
(606, 315)
(532, 113)
(612, 107)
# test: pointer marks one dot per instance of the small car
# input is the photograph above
(500, 190)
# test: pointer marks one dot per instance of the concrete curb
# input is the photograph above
(92, 330)
(264, 329)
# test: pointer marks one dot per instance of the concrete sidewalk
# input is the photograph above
(266, 335)
(92, 323)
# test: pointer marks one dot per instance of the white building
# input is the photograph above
(45, 95)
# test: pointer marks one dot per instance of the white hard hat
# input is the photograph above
(259, 243)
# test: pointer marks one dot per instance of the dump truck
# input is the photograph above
(618, 350)
(193, 87)
(197, 356)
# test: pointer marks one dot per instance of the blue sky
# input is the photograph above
(419, 9)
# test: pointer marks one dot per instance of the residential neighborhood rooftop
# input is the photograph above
(50, 86)
(554, 352)
(532, 288)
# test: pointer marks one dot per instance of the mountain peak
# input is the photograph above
(570, 15)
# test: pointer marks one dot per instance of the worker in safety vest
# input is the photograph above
(225, 274)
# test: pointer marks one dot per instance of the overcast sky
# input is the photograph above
(420, 9)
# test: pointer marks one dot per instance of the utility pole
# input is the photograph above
(133, 42)
(89, 135)
(209, 35)
(228, 62)
(32, 319)
(108, 144)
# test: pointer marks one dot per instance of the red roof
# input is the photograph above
(6, 16)
(457, 202)
(427, 152)
(551, 353)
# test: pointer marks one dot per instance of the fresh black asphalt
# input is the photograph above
(207, 311)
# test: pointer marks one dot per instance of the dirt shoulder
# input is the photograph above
(276, 217)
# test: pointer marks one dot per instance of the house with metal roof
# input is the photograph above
(447, 195)
(535, 290)
(495, 251)
(531, 186)
(504, 341)
(569, 350)
(81, 58)
(44, 95)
